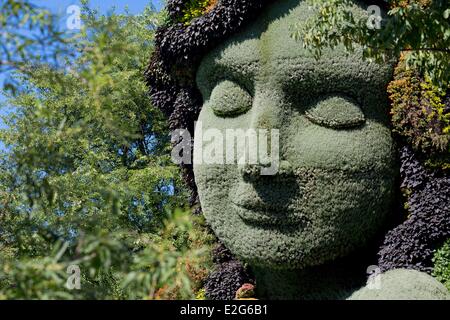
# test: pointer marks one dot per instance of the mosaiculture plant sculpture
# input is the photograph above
(311, 229)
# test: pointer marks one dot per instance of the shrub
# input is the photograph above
(442, 264)
(412, 244)
(195, 9)
(225, 281)
(421, 115)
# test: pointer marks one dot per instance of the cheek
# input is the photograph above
(213, 180)
(350, 204)
(366, 149)
(214, 184)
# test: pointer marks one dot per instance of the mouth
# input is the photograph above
(266, 215)
(269, 203)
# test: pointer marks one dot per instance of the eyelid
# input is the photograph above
(228, 99)
(336, 112)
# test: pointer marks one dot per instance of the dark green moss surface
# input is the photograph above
(340, 187)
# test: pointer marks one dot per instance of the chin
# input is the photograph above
(281, 246)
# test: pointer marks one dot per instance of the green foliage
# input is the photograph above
(442, 264)
(169, 267)
(151, 267)
(421, 27)
(419, 115)
(86, 179)
(195, 9)
(29, 34)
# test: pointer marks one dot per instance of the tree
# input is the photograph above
(29, 34)
(419, 27)
(86, 180)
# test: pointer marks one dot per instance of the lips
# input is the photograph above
(267, 205)
(263, 217)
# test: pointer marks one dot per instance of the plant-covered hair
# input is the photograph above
(194, 27)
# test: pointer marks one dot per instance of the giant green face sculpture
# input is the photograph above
(335, 184)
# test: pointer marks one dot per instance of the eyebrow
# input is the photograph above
(298, 75)
(351, 74)
(211, 72)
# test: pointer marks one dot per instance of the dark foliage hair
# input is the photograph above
(171, 80)
(411, 245)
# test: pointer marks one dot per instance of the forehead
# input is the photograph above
(266, 49)
(260, 42)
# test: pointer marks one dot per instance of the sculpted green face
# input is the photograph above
(338, 165)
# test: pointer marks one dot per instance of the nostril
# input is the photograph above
(284, 168)
(250, 170)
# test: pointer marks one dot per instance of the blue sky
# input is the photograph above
(135, 6)
(59, 7)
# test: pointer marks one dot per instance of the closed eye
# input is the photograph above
(228, 99)
(336, 112)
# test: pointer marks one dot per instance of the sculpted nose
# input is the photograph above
(266, 112)
(266, 119)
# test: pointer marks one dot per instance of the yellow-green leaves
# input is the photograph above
(420, 27)
(195, 9)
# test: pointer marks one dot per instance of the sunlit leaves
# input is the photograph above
(29, 34)
(86, 167)
(420, 27)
